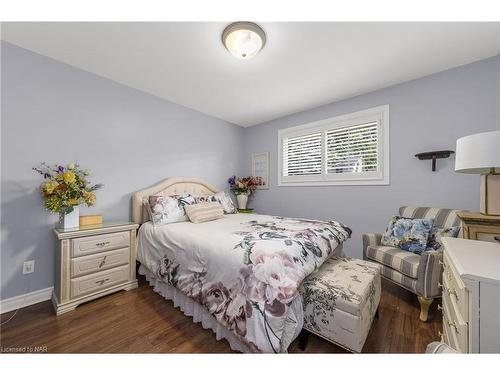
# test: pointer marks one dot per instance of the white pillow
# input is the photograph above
(168, 209)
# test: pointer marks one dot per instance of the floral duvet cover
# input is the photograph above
(244, 269)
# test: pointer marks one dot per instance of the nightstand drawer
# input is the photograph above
(97, 244)
(490, 237)
(98, 281)
(99, 262)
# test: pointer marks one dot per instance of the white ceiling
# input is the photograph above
(302, 66)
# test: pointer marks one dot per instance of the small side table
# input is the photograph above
(93, 261)
(477, 226)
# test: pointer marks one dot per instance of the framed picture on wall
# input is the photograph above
(260, 168)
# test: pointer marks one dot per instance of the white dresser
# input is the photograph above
(93, 261)
(471, 295)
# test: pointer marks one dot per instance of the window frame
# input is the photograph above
(381, 177)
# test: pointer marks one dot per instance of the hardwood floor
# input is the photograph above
(141, 321)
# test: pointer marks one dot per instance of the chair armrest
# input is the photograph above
(430, 274)
(370, 239)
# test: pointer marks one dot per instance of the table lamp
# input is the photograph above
(480, 154)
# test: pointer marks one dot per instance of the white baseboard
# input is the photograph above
(24, 300)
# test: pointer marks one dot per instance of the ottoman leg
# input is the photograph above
(425, 303)
(303, 338)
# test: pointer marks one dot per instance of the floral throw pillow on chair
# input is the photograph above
(407, 233)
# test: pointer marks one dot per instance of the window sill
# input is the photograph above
(336, 183)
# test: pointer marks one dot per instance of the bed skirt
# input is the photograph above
(193, 309)
(200, 314)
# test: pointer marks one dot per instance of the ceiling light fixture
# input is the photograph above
(244, 39)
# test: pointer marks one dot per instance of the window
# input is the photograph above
(351, 149)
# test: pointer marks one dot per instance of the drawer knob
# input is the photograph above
(454, 292)
(100, 282)
(101, 244)
(453, 324)
(440, 308)
(103, 262)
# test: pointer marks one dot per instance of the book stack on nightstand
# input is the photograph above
(92, 261)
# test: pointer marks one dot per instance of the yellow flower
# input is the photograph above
(73, 201)
(49, 187)
(89, 197)
(68, 177)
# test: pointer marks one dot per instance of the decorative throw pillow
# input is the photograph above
(222, 198)
(168, 209)
(201, 212)
(226, 202)
(205, 199)
(436, 233)
(407, 233)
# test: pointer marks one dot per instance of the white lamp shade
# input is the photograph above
(478, 153)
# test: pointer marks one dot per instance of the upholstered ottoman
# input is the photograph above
(340, 301)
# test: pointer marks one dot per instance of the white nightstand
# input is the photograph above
(93, 261)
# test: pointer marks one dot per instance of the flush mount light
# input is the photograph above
(244, 39)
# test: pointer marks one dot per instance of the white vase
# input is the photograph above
(71, 220)
(242, 201)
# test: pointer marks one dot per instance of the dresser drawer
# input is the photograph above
(99, 262)
(455, 324)
(454, 287)
(97, 244)
(490, 237)
(98, 281)
(449, 336)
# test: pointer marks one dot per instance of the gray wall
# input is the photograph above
(425, 114)
(56, 113)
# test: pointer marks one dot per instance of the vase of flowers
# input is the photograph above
(243, 187)
(64, 189)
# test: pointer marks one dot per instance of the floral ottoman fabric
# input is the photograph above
(340, 301)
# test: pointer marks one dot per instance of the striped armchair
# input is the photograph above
(420, 274)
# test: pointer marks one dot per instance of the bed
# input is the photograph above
(238, 275)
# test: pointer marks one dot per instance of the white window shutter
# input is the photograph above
(352, 149)
(302, 155)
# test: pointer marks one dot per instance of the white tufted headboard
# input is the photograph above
(170, 186)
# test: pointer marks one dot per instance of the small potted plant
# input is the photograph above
(64, 189)
(243, 187)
